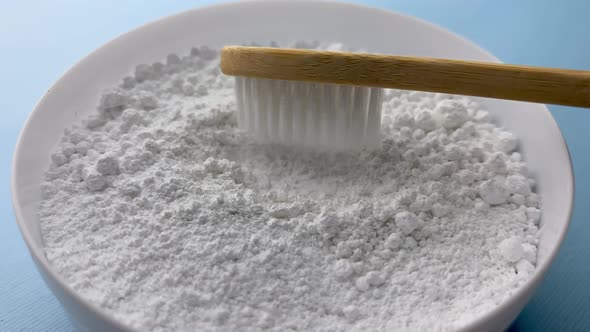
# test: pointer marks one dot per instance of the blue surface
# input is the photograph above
(41, 39)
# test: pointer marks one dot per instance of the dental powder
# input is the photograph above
(159, 210)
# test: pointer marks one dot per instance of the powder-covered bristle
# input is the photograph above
(309, 114)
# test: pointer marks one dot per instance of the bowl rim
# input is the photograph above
(43, 264)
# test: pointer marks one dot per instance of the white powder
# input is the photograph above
(163, 213)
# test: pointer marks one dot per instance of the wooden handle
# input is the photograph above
(473, 78)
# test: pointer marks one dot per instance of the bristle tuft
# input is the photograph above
(324, 116)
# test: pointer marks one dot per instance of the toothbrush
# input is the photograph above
(333, 99)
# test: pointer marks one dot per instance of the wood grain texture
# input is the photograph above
(473, 78)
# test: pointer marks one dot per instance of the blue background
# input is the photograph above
(41, 39)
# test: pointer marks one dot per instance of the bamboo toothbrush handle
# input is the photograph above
(494, 80)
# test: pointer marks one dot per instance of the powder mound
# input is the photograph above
(158, 209)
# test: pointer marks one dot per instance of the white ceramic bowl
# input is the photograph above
(76, 93)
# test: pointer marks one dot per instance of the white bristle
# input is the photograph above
(318, 115)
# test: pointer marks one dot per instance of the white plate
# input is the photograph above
(74, 95)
